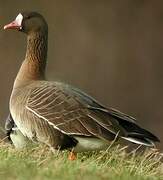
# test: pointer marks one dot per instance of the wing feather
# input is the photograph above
(65, 113)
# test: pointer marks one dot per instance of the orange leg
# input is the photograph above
(72, 156)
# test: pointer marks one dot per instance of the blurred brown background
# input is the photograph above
(111, 49)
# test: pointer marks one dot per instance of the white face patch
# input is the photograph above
(19, 19)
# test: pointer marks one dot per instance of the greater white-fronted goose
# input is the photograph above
(57, 114)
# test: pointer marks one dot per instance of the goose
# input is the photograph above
(58, 114)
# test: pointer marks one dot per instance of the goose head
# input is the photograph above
(28, 22)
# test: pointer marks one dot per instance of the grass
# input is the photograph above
(38, 163)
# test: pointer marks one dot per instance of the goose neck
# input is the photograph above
(33, 67)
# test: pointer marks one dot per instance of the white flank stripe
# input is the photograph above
(38, 115)
(50, 123)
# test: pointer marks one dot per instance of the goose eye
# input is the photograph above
(27, 17)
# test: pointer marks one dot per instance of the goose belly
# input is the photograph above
(18, 139)
(89, 144)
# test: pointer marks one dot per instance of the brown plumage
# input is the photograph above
(58, 114)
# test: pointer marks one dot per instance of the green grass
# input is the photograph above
(38, 163)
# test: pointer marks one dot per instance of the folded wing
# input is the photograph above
(75, 113)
